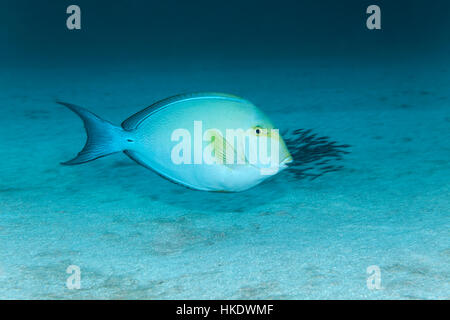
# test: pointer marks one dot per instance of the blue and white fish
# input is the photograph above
(159, 138)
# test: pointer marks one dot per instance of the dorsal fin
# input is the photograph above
(134, 121)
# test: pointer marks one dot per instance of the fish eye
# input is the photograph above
(258, 130)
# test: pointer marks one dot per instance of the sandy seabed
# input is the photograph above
(137, 236)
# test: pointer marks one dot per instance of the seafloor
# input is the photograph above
(135, 235)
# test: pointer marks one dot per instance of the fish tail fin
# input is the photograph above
(103, 138)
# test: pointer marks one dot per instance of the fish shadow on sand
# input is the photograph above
(313, 155)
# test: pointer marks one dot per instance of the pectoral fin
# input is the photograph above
(224, 152)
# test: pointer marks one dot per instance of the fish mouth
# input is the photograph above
(274, 170)
(284, 163)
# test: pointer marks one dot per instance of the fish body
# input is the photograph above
(184, 139)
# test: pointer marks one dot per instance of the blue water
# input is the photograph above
(135, 235)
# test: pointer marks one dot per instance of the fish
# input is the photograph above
(204, 141)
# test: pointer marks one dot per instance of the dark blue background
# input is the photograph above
(35, 31)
